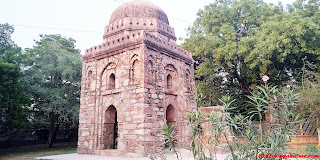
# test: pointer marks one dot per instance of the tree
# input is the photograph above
(309, 88)
(5, 36)
(13, 98)
(209, 84)
(54, 80)
(9, 51)
(247, 39)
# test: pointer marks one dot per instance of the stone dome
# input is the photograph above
(139, 9)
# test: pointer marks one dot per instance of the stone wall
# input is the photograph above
(300, 139)
(127, 97)
(303, 140)
(208, 135)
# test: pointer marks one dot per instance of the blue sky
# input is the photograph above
(84, 20)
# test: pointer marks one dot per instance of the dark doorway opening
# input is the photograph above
(115, 133)
(110, 130)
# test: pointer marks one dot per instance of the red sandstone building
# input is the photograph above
(133, 83)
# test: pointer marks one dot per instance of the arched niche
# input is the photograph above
(150, 67)
(112, 81)
(151, 72)
(108, 81)
(171, 115)
(170, 76)
(89, 80)
(169, 81)
(188, 80)
(136, 71)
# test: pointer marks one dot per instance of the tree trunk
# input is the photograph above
(318, 129)
(54, 135)
(243, 84)
(52, 129)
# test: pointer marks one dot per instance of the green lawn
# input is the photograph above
(31, 152)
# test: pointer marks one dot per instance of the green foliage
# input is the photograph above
(312, 149)
(9, 51)
(309, 88)
(280, 44)
(273, 141)
(237, 42)
(170, 142)
(13, 98)
(170, 136)
(208, 84)
(197, 146)
(5, 36)
(54, 77)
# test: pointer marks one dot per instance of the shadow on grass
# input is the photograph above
(31, 152)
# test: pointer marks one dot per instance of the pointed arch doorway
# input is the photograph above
(110, 128)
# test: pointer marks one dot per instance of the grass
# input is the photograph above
(31, 152)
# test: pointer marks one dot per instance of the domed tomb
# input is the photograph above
(134, 82)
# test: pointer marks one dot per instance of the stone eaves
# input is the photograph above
(132, 24)
(135, 39)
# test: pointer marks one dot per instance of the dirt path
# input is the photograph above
(186, 155)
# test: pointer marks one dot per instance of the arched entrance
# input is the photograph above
(110, 128)
(171, 115)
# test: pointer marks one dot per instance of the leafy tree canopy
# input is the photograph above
(54, 77)
(13, 98)
(9, 51)
(240, 41)
(5, 36)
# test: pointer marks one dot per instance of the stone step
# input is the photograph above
(110, 152)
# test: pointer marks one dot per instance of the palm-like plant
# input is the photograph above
(170, 141)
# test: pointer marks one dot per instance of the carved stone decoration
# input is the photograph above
(133, 83)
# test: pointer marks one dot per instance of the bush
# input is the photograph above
(222, 125)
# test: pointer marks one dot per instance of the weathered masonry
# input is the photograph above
(133, 83)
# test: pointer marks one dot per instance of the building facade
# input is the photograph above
(133, 83)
